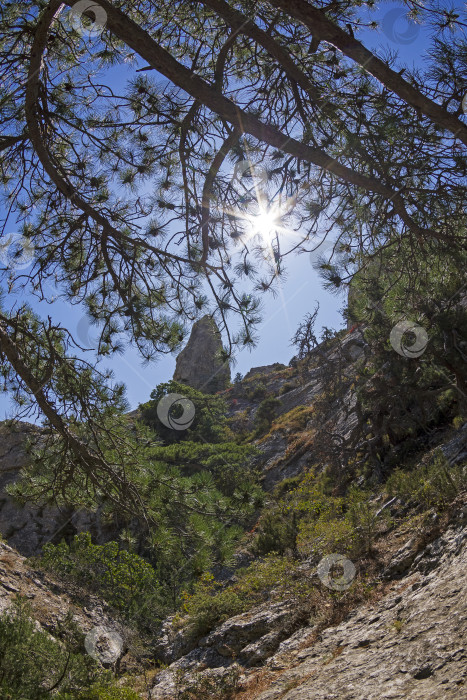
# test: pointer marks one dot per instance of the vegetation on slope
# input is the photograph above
(199, 489)
(35, 664)
(351, 143)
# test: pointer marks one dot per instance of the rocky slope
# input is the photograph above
(51, 603)
(410, 645)
(406, 641)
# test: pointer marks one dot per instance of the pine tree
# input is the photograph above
(403, 394)
(137, 202)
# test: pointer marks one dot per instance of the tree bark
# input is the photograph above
(158, 58)
(325, 30)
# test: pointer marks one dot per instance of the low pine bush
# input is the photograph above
(430, 485)
(35, 665)
(125, 580)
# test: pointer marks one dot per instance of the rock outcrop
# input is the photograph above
(407, 642)
(49, 599)
(249, 639)
(410, 645)
(200, 364)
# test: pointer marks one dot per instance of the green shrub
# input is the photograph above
(211, 603)
(125, 580)
(288, 386)
(258, 581)
(433, 484)
(190, 493)
(265, 414)
(326, 536)
(294, 420)
(277, 532)
(33, 663)
(209, 606)
(347, 524)
(258, 391)
(458, 422)
(201, 488)
(209, 424)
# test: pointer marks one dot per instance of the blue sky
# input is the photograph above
(298, 294)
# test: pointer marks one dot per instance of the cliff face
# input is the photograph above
(408, 646)
(200, 365)
(24, 526)
(408, 643)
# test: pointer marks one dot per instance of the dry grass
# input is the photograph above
(262, 680)
(294, 420)
(255, 684)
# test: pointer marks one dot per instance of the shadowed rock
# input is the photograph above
(200, 364)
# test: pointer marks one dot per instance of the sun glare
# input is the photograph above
(266, 224)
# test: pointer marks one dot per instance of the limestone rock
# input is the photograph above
(172, 644)
(241, 631)
(410, 645)
(264, 370)
(402, 560)
(199, 364)
(368, 657)
(49, 600)
(250, 638)
(257, 652)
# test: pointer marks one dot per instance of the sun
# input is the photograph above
(266, 224)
